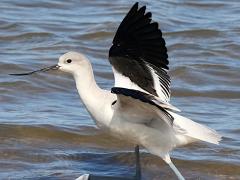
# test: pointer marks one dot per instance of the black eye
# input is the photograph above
(69, 61)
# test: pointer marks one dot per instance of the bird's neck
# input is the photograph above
(92, 96)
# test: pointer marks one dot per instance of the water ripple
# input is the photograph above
(45, 131)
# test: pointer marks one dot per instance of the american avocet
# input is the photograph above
(137, 108)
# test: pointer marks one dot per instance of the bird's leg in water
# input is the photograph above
(138, 165)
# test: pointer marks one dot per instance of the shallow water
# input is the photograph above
(45, 132)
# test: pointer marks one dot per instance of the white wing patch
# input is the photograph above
(161, 100)
(163, 90)
(125, 82)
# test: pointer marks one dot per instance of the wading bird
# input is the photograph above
(137, 108)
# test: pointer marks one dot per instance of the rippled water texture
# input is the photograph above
(45, 132)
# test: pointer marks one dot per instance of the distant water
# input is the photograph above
(45, 133)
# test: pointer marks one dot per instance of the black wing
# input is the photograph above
(139, 53)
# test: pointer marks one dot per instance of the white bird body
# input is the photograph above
(131, 119)
(137, 109)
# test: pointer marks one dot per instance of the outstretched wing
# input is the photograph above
(139, 55)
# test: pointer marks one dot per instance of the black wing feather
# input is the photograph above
(138, 42)
(136, 32)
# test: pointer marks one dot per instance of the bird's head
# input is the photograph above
(73, 62)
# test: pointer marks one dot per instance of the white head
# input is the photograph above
(81, 69)
(73, 62)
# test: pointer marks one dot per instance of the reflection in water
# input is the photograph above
(45, 131)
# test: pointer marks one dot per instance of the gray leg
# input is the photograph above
(138, 165)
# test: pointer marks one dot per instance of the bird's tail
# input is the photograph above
(194, 131)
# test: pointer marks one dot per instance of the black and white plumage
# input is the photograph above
(139, 55)
(137, 109)
(144, 97)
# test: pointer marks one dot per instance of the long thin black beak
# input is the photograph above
(54, 67)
